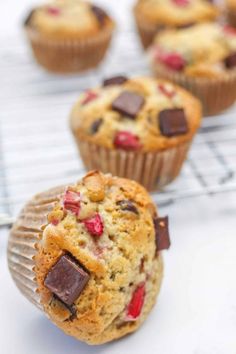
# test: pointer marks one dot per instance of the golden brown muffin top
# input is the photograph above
(139, 114)
(68, 19)
(203, 50)
(176, 12)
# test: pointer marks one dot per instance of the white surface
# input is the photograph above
(196, 310)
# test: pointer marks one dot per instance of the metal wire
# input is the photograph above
(38, 152)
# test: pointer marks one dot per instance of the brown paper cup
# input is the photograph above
(146, 30)
(231, 16)
(215, 94)
(68, 56)
(153, 170)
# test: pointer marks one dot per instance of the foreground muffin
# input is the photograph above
(155, 15)
(138, 128)
(202, 59)
(231, 11)
(89, 256)
(69, 35)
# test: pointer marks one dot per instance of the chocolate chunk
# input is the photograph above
(173, 122)
(128, 104)
(28, 18)
(230, 61)
(116, 80)
(162, 233)
(96, 125)
(128, 205)
(66, 279)
(99, 13)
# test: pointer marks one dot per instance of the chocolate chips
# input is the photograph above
(99, 13)
(128, 205)
(128, 104)
(96, 125)
(173, 122)
(162, 233)
(230, 61)
(116, 80)
(66, 279)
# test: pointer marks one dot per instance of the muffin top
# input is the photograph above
(68, 18)
(203, 50)
(176, 12)
(100, 240)
(138, 114)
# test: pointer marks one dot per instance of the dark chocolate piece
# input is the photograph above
(128, 205)
(116, 80)
(230, 61)
(28, 18)
(99, 13)
(162, 233)
(96, 125)
(128, 104)
(66, 279)
(173, 122)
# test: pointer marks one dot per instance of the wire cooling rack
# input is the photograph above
(37, 150)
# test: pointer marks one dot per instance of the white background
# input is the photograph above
(196, 310)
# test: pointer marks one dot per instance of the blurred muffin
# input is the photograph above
(231, 11)
(138, 128)
(69, 35)
(202, 59)
(154, 15)
(89, 256)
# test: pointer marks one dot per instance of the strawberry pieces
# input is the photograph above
(229, 30)
(181, 3)
(71, 202)
(173, 60)
(168, 92)
(54, 11)
(127, 141)
(136, 304)
(89, 97)
(94, 225)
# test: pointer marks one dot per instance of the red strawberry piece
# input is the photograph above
(168, 92)
(54, 11)
(229, 30)
(173, 60)
(94, 225)
(181, 3)
(89, 97)
(71, 202)
(136, 304)
(127, 141)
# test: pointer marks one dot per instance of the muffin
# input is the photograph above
(139, 128)
(89, 256)
(154, 15)
(202, 59)
(231, 11)
(69, 35)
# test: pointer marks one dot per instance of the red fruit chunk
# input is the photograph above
(94, 225)
(173, 60)
(136, 304)
(54, 11)
(229, 30)
(89, 97)
(181, 3)
(71, 202)
(127, 141)
(168, 92)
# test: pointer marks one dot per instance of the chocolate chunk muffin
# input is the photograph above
(138, 128)
(69, 35)
(89, 256)
(153, 16)
(202, 59)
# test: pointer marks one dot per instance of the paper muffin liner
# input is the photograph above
(24, 240)
(216, 94)
(68, 56)
(153, 170)
(146, 30)
(231, 16)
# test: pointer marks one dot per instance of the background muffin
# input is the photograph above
(89, 256)
(69, 35)
(231, 11)
(138, 128)
(154, 15)
(202, 59)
